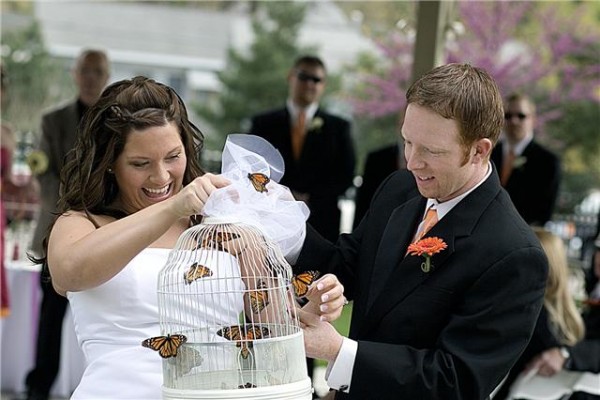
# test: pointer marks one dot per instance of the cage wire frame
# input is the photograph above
(227, 288)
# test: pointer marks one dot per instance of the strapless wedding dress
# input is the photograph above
(113, 319)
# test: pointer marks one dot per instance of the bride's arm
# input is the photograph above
(82, 257)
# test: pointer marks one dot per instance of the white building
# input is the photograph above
(181, 46)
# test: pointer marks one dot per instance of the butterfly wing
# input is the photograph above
(233, 332)
(196, 271)
(302, 281)
(167, 345)
(259, 299)
(187, 359)
(259, 181)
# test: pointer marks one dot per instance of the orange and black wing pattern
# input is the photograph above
(196, 271)
(166, 346)
(259, 298)
(215, 240)
(244, 336)
(259, 181)
(302, 281)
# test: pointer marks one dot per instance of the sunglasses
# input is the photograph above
(304, 77)
(509, 116)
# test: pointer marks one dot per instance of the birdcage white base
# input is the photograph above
(301, 390)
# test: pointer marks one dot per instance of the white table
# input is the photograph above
(19, 334)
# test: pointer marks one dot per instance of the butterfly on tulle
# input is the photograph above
(259, 298)
(244, 336)
(166, 346)
(196, 271)
(215, 240)
(247, 385)
(301, 282)
(259, 181)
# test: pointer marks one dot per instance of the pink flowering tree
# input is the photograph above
(535, 48)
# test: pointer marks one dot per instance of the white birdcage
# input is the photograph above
(225, 297)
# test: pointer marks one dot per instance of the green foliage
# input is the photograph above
(255, 81)
(35, 80)
(577, 132)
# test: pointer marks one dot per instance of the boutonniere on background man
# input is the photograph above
(426, 248)
(519, 162)
(316, 124)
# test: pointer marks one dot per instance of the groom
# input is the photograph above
(454, 330)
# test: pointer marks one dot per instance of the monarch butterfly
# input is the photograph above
(187, 359)
(165, 345)
(259, 181)
(196, 271)
(259, 299)
(216, 239)
(244, 335)
(302, 281)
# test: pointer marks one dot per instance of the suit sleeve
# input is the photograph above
(50, 179)
(550, 191)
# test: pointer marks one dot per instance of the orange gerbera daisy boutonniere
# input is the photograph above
(426, 248)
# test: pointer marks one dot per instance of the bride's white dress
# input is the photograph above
(111, 321)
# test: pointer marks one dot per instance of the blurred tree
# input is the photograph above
(256, 80)
(35, 80)
(548, 50)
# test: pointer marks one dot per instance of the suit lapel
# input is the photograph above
(406, 276)
(396, 237)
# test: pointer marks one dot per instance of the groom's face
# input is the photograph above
(442, 167)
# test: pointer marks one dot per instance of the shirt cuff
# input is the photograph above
(339, 372)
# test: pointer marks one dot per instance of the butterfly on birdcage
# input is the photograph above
(196, 271)
(259, 298)
(259, 181)
(302, 282)
(167, 345)
(244, 336)
(187, 359)
(215, 240)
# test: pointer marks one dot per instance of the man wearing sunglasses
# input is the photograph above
(316, 146)
(528, 171)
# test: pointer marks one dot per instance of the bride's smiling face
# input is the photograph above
(151, 167)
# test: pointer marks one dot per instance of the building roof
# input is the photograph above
(190, 38)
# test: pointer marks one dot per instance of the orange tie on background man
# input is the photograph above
(507, 167)
(431, 218)
(298, 135)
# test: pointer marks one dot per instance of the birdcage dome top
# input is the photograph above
(254, 197)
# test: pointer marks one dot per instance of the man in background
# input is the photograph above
(59, 129)
(379, 165)
(316, 146)
(528, 171)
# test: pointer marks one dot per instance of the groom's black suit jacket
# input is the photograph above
(325, 168)
(451, 333)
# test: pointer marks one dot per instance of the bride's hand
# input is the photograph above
(326, 298)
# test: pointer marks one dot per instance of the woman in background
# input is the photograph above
(559, 326)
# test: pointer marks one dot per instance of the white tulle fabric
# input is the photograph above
(275, 212)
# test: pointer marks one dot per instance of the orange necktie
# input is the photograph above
(431, 218)
(507, 167)
(298, 135)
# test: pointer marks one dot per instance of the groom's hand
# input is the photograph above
(321, 340)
